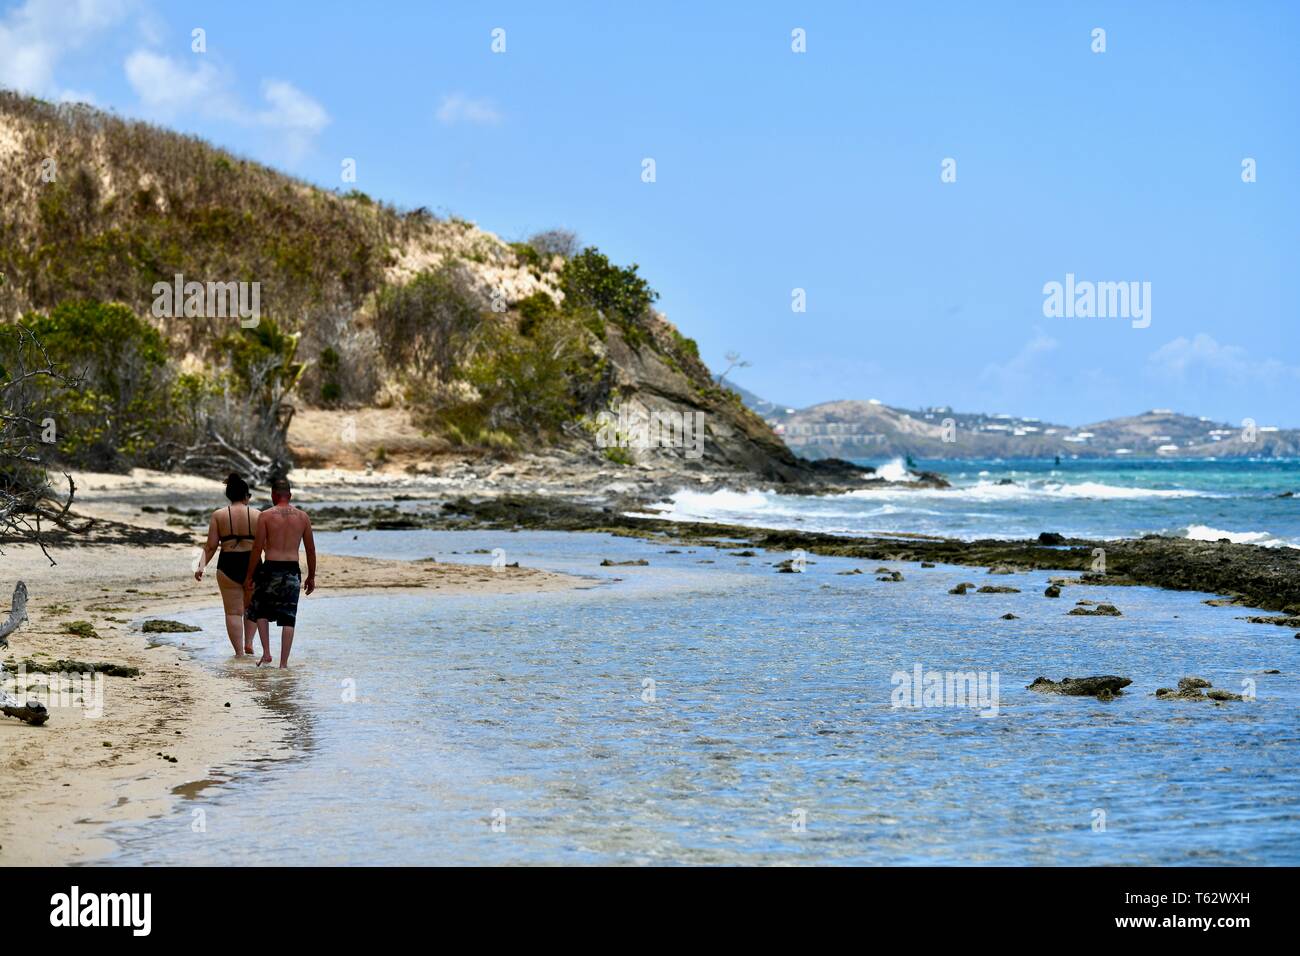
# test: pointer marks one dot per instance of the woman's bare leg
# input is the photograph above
(250, 627)
(235, 631)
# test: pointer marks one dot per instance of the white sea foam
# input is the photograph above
(895, 470)
(1203, 532)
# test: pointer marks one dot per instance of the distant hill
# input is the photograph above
(871, 429)
(490, 345)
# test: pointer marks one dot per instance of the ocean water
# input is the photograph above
(1208, 500)
(705, 709)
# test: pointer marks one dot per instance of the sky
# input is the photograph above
(820, 171)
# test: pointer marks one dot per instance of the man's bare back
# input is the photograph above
(287, 527)
(271, 586)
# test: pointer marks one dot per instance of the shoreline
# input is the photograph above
(180, 724)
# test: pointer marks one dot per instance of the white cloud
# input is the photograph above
(38, 34)
(169, 87)
(1019, 370)
(1202, 356)
(459, 108)
(291, 109)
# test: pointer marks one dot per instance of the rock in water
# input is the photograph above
(159, 626)
(1053, 590)
(997, 589)
(1191, 688)
(1051, 537)
(1081, 686)
(1101, 610)
(966, 585)
(637, 563)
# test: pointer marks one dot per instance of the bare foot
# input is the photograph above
(248, 649)
(266, 659)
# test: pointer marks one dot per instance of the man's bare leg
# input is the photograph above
(264, 632)
(286, 643)
(233, 630)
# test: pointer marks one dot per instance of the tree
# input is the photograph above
(29, 506)
(734, 361)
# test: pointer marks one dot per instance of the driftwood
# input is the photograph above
(17, 613)
(33, 712)
(216, 455)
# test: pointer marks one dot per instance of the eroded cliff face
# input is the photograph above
(663, 376)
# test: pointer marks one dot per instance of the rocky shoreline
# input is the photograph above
(1243, 574)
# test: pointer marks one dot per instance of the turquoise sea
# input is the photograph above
(1236, 499)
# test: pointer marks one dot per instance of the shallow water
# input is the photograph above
(772, 695)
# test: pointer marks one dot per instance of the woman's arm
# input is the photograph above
(209, 547)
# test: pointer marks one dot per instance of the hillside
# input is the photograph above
(487, 347)
(870, 429)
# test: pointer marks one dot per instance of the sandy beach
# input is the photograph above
(177, 724)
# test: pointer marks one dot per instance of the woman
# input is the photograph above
(231, 532)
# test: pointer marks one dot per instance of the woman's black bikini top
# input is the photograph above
(237, 537)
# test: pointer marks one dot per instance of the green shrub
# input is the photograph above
(122, 409)
(589, 278)
(428, 323)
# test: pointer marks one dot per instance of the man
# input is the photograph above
(280, 529)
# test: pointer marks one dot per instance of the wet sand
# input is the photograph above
(177, 724)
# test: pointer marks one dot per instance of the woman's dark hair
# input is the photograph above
(236, 488)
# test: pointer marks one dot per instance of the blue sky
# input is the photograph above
(779, 170)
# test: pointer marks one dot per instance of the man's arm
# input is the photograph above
(309, 545)
(255, 556)
(209, 548)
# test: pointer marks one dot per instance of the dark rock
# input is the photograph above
(1002, 569)
(927, 564)
(1101, 610)
(966, 585)
(1284, 620)
(891, 576)
(637, 563)
(1053, 590)
(1193, 688)
(1051, 537)
(160, 626)
(854, 571)
(997, 589)
(1009, 617)
(1081, 686)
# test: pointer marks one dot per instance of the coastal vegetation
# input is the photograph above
(492, 347)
